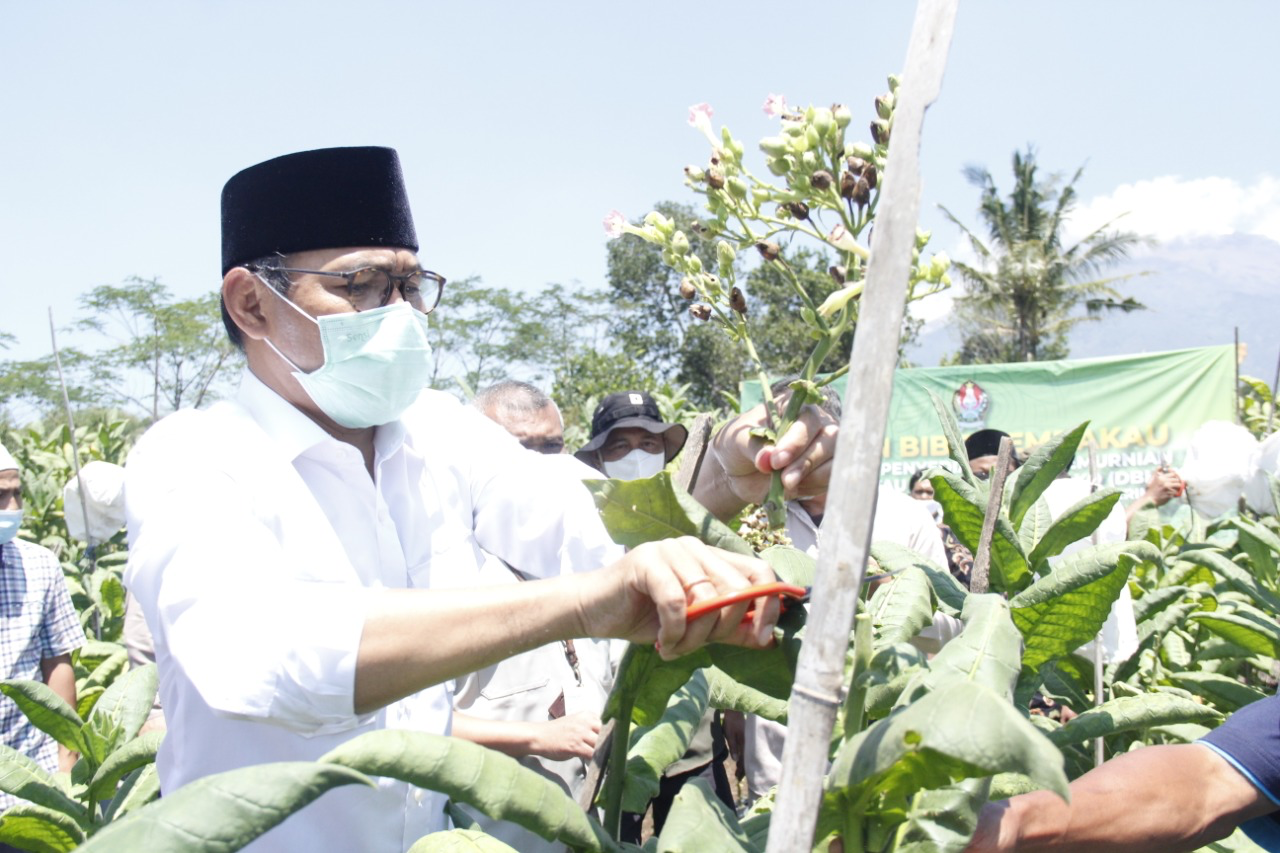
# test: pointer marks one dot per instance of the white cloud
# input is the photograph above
(1170, 208)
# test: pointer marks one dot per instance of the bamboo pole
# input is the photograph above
(1099, 744)
(842, 562)
(979, 579)
(91, 548)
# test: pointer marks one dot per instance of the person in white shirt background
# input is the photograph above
(284, 545)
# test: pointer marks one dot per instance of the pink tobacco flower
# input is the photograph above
(700, 117)
(775, 105)
(614, 223)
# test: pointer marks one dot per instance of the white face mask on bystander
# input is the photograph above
(636, 465)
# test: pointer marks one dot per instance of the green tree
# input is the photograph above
(166, 353)
(1022, 296)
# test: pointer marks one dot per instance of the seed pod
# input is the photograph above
(838, 274)
(856, 164)
(694, 174)
(880, 132)
(847, 182)
(700, 311)
(821, 180)
(687, 290)
(715, 177)
(869, 174)
(737, 301)
(861, 192)
(884, 105)
(841, 114)
(768, 251)
(799, 210)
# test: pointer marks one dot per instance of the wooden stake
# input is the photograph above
(842, 562)
(980, 578)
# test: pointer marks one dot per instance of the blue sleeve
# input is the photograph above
(1250, 741)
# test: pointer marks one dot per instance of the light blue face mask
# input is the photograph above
(376, 362)
(10, 521)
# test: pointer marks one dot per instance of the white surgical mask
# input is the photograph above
(10, 521)
(376, 362)
(636, 465)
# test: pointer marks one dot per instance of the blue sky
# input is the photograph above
(521, 124)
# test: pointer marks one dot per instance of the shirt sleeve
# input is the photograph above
(259, 620)
(1250, 742)
(60, 630)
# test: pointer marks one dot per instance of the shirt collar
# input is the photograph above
(293, 431)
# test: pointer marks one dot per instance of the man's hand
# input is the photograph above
(643, 596)
(1165, 485)
(572, 736)
(741, 464)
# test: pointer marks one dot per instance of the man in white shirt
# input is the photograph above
(283, 545)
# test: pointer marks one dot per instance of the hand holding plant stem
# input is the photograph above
(823, 180)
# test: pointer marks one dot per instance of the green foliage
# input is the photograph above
(1021, 297)
(114, 775)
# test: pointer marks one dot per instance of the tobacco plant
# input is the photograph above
(823, 189)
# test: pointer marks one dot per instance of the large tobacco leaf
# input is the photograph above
(639, 511)
(655, 748)
(963, 509)
(986, 652)
(33, 827)
(1041, 468)
(224, 811)
(950, 593)
(901, 606)
(1076, 522)
(496, 784)
(1066, 608)
(961, 730)
(47, 711)
(1128, 713)
(698, 821)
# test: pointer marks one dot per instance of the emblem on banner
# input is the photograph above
(970, 403)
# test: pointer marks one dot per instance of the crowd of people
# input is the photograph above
(335, 551)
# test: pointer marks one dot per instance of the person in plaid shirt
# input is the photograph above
(38, 627)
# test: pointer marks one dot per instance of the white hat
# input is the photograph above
(7, 461)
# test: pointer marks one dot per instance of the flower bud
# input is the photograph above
(823, 121)
(894, 81)
(700, 311)
(884, 105)
(694, 174)
(813, 137)
(839, 274)
(841, 114)
(922, 238)
(779, 166)
(695, 263)
(880, 132)
(938, 266)
(715, 178)
(725, 255)
(737, 301)
(799, 210)
(861, 150)
(821, 180)
(737, 188)
(687, 289)
(669, 257)
(768, 251)
(774, 146)
(680, 243)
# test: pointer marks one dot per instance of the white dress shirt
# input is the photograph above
(256, 541)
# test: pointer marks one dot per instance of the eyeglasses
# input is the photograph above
(370, 287)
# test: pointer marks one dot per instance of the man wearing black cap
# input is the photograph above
(283, 544)
(629, 439)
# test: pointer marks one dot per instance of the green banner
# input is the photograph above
(1142, 409)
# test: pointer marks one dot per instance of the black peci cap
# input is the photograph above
(323, 199)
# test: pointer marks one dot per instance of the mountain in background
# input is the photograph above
(1197, 291)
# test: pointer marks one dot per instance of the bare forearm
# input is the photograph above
(414, 638)
(1159, 799)
(60, 676)
(510, 737)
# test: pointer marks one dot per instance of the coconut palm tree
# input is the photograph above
(1023, 293)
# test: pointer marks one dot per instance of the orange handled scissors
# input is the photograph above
(782, 590)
